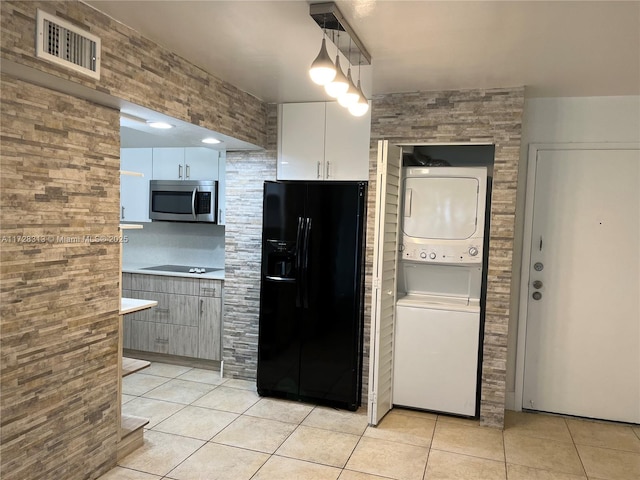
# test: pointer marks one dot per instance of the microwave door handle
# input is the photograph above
(193, 203)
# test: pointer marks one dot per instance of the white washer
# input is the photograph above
(436, 354)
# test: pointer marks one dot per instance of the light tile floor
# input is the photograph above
(203, 427)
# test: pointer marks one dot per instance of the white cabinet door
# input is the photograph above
(346, 150)
(177, 163)
(134, 190)
(200, 163)
(301, 145)
(168, 164)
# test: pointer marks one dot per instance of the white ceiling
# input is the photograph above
(554, 48)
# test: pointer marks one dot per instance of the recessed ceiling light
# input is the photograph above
(162, 125)
(210, 140)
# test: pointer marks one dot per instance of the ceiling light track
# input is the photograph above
(330, 19)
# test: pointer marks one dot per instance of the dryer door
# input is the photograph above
(441, 208)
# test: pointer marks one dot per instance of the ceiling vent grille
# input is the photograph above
(65, 44)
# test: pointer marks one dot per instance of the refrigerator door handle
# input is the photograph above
(298, 262)
(305, 266)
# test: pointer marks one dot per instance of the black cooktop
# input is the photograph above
(182, 268)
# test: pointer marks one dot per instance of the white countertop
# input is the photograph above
(128, 305)
(139, 268)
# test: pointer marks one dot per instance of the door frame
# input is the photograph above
(523, 298)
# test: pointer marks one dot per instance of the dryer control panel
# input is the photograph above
(440, 253)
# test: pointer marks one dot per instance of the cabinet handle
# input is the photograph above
(162, 340)
(318, 174)
(209, 291)
(188, 172)
(201, 306)
(122, 212)
(220, 215)
(179, 171)
(161, 310)
(328, 169)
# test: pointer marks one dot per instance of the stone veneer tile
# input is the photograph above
(60, 292)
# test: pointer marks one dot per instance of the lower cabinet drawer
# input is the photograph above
(175, 309)
(161, 338)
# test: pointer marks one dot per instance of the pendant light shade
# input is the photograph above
(361, 107)
(322, 70)
(352, 95)
(339, 85)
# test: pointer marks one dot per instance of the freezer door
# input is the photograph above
(280, 292)
(331, 332)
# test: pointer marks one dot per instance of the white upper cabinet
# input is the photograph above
(201, 163)
(301, 141)
(346, 148)
(134, 189)
(193, 163)
(322, 141)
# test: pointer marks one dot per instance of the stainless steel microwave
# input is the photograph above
(183, 200)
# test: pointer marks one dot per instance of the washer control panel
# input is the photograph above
(469, 253)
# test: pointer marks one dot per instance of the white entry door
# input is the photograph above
(582, 352)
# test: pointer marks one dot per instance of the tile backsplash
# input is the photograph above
(160, 243)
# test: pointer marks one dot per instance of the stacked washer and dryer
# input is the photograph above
(438, 319)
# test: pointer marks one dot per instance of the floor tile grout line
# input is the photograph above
(575, 446)
(504, 453)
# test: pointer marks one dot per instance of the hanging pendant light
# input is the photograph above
(361, 107)
(339, 85)
(322, 70)
(352, 95)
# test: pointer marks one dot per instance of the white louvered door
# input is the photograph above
(385, 262)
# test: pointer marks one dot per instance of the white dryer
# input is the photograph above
(443, 214)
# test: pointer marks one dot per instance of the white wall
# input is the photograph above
(563, 120)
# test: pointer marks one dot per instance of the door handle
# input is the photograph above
(193, 203)
(305, 267)
(407, 202)
(298, 262)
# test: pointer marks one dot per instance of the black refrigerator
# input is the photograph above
(312, 292)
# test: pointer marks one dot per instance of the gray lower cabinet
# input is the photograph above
(186, 322)
(210, 299)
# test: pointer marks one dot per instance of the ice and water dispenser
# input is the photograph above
(281, 259)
